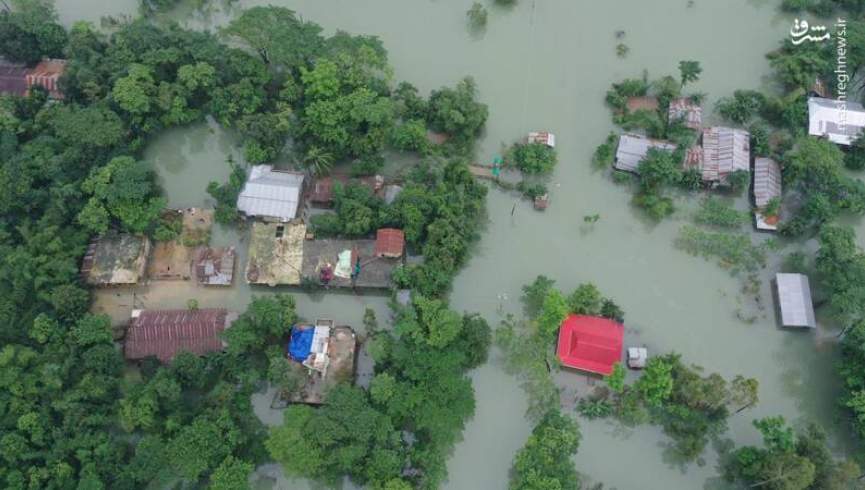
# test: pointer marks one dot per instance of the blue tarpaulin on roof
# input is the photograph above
(300, 343)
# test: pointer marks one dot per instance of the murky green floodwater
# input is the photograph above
(546, 65)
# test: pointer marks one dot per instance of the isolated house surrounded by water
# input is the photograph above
(165, 333)
(794, 300)
(271, 194)
(642, 103)
(633, 148)
(767, 186)
(685, 110)
(725, 150)
(326, 353)
(840, 122)
(590, 343)
(115, 259)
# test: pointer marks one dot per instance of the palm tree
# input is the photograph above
(318, 161)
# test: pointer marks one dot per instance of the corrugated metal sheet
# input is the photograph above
(47, 74)
(683, 108)
(725, 150)
(389, 242)
(166, 333)
(839, 121)
(633, 149)
(271, 193)
(794, 296)
(767, 181)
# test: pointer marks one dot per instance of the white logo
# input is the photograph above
(802, 32)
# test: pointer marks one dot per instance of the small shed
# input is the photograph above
(542, 137)
(390, 243)
(47, 75)
(794, 299)
(590, 343)
(633, 148)
(725, 150)
(115, 259)
(215, 266)
(271, 194)
(767, 186)
(642, 103)
(165, 333)
(686, 110)
(841, 121)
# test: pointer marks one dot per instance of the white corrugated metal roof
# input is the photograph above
(840, 121)
(725, 150)
(633, 149)
(271, 193)
(794, 296)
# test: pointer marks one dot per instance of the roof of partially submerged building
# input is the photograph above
(389, 242)
(794, 298)
(275, 253)
(590, 343)
(767, 181)
(271, 193)
(115, 259)
(323, 188)
(13, 78)
(542, 137)
(343, 257)
(215, 266)
(686, 110)
(725, 150)
(47, 74)
(329, 364)
(633, 148)
(165, 333)
(642, 103)
(839, 121)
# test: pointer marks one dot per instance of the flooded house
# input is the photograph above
(214, 266)
(18, 79)
(165, 333)
(273, 195)
(325, 354)
(839, 121)
(642, 103)
(365, 264)
(590, 343)
(794, 300)
(633, 148)
(767, 186)
(725, 150)
(686, 110)
(276, 253)
(115, 259)
(321, 191)
(542, 137)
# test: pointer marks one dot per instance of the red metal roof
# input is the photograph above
(590, 343)
(47, 73)
(389, 242)
(166, 333)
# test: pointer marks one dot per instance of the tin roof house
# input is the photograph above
(165, 333)
(794, 300)
(725, 150)
(633, 148)
(839, 121)
(271, 194)
(115, 259)
(767, 186)
(684, 109)
(17, 79)
(590, 343)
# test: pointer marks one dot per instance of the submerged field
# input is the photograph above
(545, 66)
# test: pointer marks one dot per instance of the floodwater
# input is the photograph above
(545, 65)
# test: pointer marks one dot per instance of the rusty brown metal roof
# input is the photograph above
(165, 333)
(389, 242)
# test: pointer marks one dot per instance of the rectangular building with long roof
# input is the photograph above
(725, 150)
(767, 186)
(794, 300)
(165, 333)
(271, 194)
(839, 121)
(633, 148)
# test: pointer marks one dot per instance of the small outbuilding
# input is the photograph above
(794, 300)
(47, 75)
(840, 121)
(767, 186)
(542, 137)
(390, 243)
(115, 259)
(215, 266)
(637, 357)
(165, 333)
(686, 110)
(590, 343)
(725, 150)
(271, 194)
(633, 148)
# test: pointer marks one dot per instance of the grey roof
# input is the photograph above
(725, 150)
(840, 121)
(794, 296)
(633, 149)
(271, 193)
(767, 181)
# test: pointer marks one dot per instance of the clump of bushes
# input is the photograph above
(532, 158)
